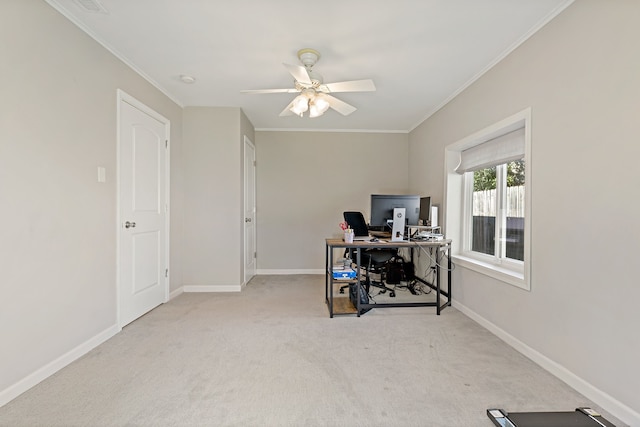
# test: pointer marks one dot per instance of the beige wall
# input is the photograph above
(213, 193)
(307, 179)
(57, 223)
(579, 75)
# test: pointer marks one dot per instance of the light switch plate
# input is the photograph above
(102, 174)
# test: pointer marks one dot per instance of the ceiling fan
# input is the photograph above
(314, 94)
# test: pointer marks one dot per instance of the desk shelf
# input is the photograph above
(343, 305)
(341, 302)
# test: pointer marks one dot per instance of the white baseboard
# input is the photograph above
(604, 400)
(51, 368)
(204, 288)
(176, 292)
(292, 271)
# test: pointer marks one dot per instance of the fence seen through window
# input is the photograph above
(484, 205)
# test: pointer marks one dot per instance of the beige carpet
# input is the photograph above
(271, 356)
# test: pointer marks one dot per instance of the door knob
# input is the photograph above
(129, 224)
(247, 220)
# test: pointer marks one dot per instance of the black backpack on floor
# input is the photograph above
(364, 296)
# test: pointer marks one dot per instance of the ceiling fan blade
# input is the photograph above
(299, 73)
(287, 111)
(270, 91)
(351, 86)
(340, 106)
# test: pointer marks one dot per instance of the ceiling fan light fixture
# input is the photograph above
(314, 111)
(318, 105)
(321, 103)
(300, 105)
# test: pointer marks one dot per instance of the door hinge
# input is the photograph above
(166, 143)
(166, 272)
(255, 254)
(255, 163)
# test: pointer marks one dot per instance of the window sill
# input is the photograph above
(515, 278)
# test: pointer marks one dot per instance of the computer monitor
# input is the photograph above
(382, 206)
(425, 210)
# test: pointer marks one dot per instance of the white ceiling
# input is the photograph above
(419, 53)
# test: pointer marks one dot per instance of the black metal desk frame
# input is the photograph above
(332, 244)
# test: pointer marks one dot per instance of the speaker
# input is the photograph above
(397, 233)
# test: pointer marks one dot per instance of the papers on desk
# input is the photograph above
(341, 272)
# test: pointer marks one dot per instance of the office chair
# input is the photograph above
(372, 260)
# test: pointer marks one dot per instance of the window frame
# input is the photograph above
(458, 216)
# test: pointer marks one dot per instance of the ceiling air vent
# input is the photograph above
(92, 6)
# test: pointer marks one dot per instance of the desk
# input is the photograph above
(347, 308)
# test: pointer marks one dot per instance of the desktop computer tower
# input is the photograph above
(397, 232)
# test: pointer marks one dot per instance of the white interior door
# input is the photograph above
(249, 210)
(143, 205)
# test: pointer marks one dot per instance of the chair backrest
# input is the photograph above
(357, 223)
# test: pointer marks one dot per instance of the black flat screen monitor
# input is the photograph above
(382, 206)
(425, 209)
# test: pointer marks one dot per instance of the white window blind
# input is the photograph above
(502, 149)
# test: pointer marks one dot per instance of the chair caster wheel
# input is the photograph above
(342, 291)
(392, 294)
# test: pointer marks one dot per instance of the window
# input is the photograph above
(488, 201)
(496, 212)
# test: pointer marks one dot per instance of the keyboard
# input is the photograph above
(361, 238)
(380, 233)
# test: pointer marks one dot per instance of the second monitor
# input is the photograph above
(382, 206)
(425, 210)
